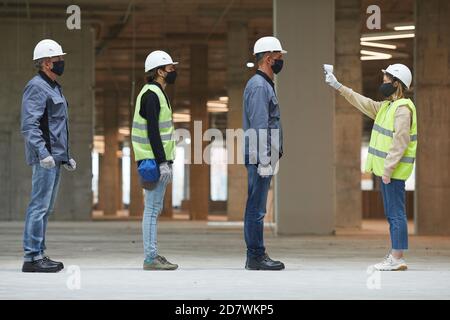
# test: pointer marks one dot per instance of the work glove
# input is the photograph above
(165, 172)
(71, 165)
(48, 162)
(265, 171)
(332, 81)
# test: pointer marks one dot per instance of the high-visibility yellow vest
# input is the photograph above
(139, 133)
(381, 141)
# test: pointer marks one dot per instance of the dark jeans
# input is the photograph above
(255, 211)
(395, 212)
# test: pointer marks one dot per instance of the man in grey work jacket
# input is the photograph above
(45, 130)
(261, 119)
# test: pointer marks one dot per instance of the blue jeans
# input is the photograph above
(154, 200)
(395, 212)
(255, 210)
(45, 184)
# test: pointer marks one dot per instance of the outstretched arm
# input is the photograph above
(366, 105)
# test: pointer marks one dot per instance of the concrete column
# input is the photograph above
(136, 208)
(432, 98)
(237, 75)
(348, 120)
(168, 209)
(74, 201)
(167, 212)
(199, 173)
(109, 179)
(305, 202)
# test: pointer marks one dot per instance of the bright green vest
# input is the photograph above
(381, 141)
(139, 134)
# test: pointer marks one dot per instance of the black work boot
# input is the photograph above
(40, 265)
(263, 263)
(57, 263)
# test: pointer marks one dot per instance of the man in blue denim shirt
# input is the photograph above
(44, 126)
(263, 148)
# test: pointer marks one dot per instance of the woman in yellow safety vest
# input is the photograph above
(153, 142)
(392, 151)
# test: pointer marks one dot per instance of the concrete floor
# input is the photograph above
(109, 257)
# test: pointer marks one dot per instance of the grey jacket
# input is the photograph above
(262, 115)
(44, 121)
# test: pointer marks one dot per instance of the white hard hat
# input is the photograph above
(267, 44)
(47, 48)
(158, 58)
(401, 72)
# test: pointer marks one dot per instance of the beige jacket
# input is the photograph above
(402, 125)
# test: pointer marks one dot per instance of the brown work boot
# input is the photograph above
(160, 263)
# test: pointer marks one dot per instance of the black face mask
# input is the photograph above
(171, 77)
(387, 89)
(277, 65)
(58, 67)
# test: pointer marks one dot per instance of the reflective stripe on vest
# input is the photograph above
(139, 133)
(162, 125)
(390, 133)
(164, 137)
(382, 138)
(383, 155)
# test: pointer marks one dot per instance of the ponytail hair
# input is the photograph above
(400, 93)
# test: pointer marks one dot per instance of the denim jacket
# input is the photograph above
(262, 114)
(44, 120)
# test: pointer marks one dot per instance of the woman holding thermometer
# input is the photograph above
(392, 150)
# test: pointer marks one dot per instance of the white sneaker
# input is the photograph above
(391, 264)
